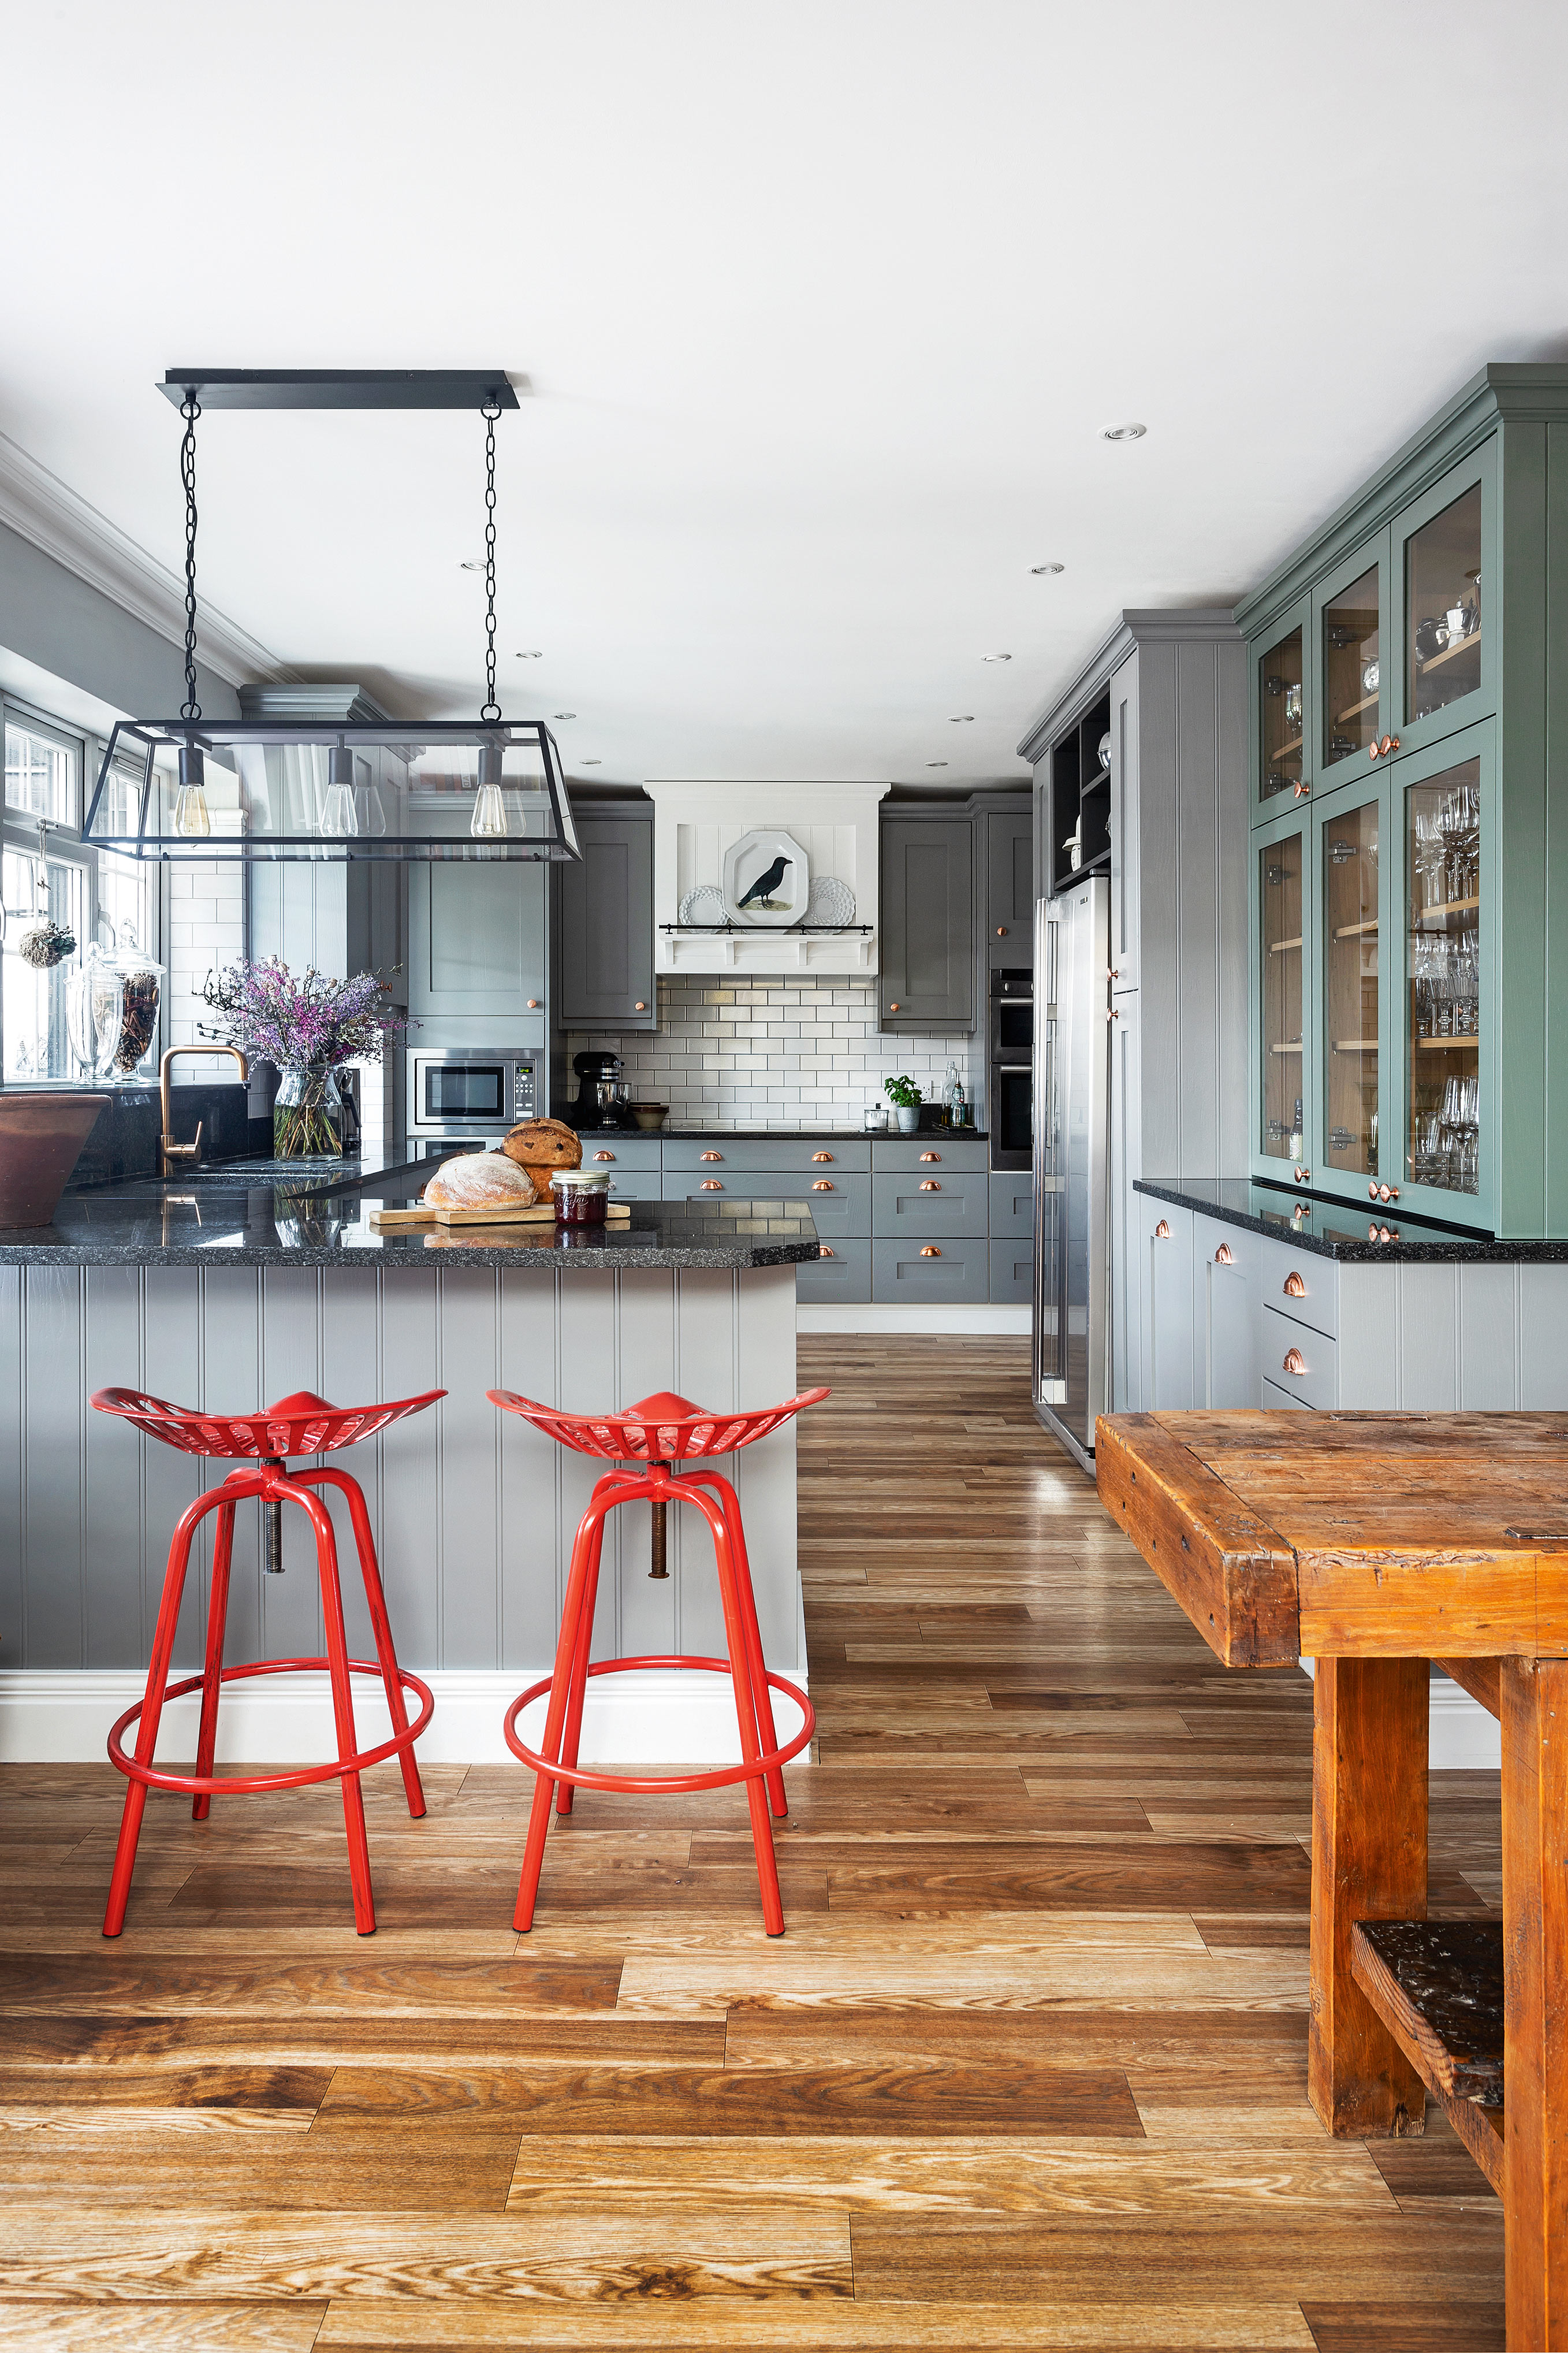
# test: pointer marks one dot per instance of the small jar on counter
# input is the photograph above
(582, 1196)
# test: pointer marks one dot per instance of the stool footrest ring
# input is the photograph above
(191, 1784)
(651, 1785)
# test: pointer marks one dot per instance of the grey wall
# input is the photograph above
(50, 616)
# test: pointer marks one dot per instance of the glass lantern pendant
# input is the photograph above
(299, 788)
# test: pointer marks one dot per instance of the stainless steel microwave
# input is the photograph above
(460, 1090)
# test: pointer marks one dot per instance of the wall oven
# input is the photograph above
(468, 1092)
(1011, 1104)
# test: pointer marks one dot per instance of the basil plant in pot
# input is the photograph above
(309, 1030)
(906, 1098)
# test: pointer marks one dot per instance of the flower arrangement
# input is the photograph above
(309, 1028)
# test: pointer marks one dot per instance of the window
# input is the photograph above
(46, 873)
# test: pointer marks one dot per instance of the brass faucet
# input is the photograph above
(168, 1150)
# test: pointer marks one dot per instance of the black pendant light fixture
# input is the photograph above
(416, 789)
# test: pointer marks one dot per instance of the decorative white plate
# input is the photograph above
(767, 878)
(830, 902)
(703, 905)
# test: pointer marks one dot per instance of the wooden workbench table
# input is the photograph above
(1375, 1542)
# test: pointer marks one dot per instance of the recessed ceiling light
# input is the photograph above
(1122, 432)
(936, 764)
(1037, 569)
(591, 763)
(960, 719)
(996, 657)
(533, 654)
(563, 715)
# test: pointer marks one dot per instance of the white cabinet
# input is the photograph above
(1167, 1252)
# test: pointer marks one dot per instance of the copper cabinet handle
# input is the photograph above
(1381, 751)
(639, 1006)
(710, 1155)
(603, 1155)
(1000, 930)
(1163, 1230)
(823, 1251)
(1294, 1286)
(1302, 1176)
(534, 1004)
(1294, 1362)
(931, 1184)
(822, 1184)
(931, 1155)
(711, 1185)
(822, 1155)
(1225, 1255)
(930, 1249)
(894, 1007)
(1388, 1192)
(1302, 792)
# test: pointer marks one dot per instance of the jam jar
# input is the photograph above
(582, 1196)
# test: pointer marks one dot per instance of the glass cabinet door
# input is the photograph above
(1443, 979)
(1352, 668)
(1281, 681)
(1281, 952)
(1443, 630)
(1349, 881)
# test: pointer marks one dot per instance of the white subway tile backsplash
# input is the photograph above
(775, 1053)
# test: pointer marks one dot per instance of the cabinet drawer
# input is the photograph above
(1316, 1301)
(1012, 1206)
(614, 1152)
(955, 1206)
(844, 1275)
(813, 1155)
(1281, 1401)
(842, 1211)
(931, 1154)
(636, 1185)
(955, 1274)
(1318, 1382)
(1012, 1273)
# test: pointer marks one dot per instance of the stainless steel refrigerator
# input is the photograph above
(1071, 1373)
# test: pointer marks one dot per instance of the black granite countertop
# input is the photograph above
(225, 1220)
(1311, 1221)
(793, 1135)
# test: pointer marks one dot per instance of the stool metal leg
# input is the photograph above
(381, 1625)
(342, 1704)
(745, 1709)
(584, 1554)
(729, 1504)
(217, 1620)
(580, 1654)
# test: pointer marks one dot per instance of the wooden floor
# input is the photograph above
(1028, 2069)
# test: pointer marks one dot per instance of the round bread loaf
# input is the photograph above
(481, 1180)
(542, 1144)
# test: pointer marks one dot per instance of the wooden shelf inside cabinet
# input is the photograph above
(1432, 916)
(1355, 1045)
(1097, 784)
(1355, 931)
(1367, 703)
(1281, 947)
(1448, 1045)
(1437, 1987)
(1286, 751)
(1293, 1047)
(1449, 653)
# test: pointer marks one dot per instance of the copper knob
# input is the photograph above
(823, 1251)
(822, 1184)
(1163, 1230)
(931, 1155)
(930, 1249)
(1388, 1192)
(1225, 1255)
(1000, 930)
(710, 1155)
(822, 1155)
(1294, 1362)
(1301, 791)
(534, 1004)
(603, 1155)
(639, 1006)
(894, 1007)
(1383, 1235)
(711, 1185)
(931, 1184)
(1294, 1286)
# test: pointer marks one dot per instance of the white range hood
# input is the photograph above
(696, 825)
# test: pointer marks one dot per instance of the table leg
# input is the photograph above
(1535, 1999)
(1369, 1862)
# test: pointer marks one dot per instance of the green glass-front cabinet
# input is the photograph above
(1409, 869)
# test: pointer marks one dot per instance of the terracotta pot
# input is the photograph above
(41, 1136)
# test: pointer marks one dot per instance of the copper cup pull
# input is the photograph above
(710, 1155)
(930, 1249)
(822, 1184)
(1163, 1230)
(823, 1251)
(931, 1155)
(1225, 1255)
(1294, 1362)
(1294, 1286)
(931, 1184)
(711, 1185)
(822, 1155)
(603, 1155)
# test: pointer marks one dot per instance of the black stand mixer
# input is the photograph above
(598, 1103)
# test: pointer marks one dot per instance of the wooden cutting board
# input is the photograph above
(537, 1213)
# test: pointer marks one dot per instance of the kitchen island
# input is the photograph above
(228, 1289)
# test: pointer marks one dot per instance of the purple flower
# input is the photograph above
(273, 1018)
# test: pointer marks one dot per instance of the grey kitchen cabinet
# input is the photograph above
(929, 1205)
(800, 1156)
(841, 1277)
(477, 943)
(1224, 1312)
(1012, 1206)
(842, 1209)
(604, 926)
(928, 979)
(1009, 887)
(1167, 1295)
(931, 1274)
(1011, 1272)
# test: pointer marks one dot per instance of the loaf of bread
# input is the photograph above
(541, 1144)
(481, 1180)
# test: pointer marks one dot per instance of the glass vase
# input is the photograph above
(308, 1116)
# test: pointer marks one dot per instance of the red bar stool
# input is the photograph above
(659, 1432)
(301, 1424)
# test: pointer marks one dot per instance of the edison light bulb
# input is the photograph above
(489, 820)
(191, 817)
(339, 815)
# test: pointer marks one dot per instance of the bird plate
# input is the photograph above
(767, 878)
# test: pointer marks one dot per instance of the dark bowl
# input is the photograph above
(41, 1136)
(649, 1117)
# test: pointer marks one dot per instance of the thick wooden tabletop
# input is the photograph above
(1350, 1535)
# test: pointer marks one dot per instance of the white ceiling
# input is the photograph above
(822, 306)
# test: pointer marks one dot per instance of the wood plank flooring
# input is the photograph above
(1027, 2070)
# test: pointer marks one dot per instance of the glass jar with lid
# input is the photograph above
(111, 1008)
(582, 1196)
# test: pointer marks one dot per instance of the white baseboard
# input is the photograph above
(981, 1321)
(657, 1717)
(1462, 1736)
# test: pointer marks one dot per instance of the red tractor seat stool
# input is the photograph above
(660, 1434)
(301, 1424)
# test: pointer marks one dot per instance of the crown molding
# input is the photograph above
(43, 510)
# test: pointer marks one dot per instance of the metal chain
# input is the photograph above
(490, 412)
(190, 409)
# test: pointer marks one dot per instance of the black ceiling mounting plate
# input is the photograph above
(340, 387)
